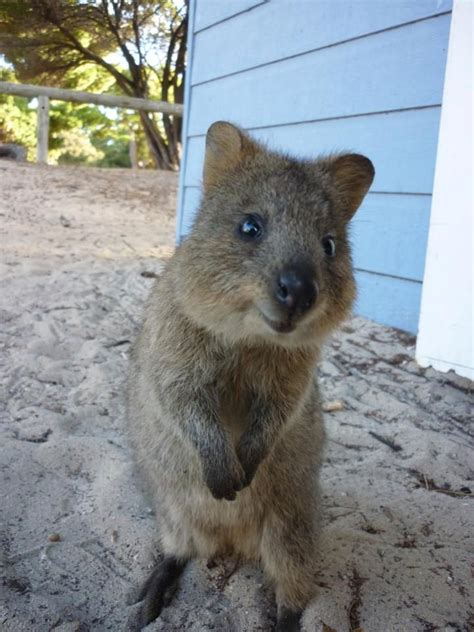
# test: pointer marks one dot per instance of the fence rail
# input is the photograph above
(45, 94)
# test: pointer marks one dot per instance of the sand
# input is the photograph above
(79, 250)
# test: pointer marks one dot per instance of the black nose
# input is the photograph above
(296, 290)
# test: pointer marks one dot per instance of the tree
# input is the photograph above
(141, 44)
(17, 119)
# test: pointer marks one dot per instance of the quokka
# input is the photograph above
(224, 408)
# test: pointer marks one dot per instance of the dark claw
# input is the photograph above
(219, 495)
(249, 475)
(239, 485)
(288, 620)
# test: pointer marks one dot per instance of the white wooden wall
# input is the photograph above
(446, 333)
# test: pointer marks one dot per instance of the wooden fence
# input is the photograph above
(44, 94)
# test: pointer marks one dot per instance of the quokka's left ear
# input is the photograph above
(226, 147)
(352, 175)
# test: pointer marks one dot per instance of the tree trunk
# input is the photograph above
(172, 86)
(158, 148)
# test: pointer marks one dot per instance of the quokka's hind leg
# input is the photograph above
(158, 588)
(288, 552)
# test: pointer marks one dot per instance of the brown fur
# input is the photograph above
(218, 400)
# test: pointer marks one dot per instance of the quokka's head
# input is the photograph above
(268, 257)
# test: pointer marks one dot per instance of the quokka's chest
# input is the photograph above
(254, 379)
(235, 399)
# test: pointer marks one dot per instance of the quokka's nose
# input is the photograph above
(296, 290)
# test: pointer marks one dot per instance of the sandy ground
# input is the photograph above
(78, 247)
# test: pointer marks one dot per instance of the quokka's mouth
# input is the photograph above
(281, 327)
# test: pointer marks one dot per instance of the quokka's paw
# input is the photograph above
(157, 591)
(224, 482)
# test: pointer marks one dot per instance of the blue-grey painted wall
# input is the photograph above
(313, 76)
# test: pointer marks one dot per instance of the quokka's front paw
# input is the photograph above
(225, 480)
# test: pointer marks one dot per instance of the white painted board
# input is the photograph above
(446, 328)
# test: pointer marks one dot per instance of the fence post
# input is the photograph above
(132, 152)
(42, 130)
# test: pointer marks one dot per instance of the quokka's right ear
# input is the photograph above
(352, 174)
(226, 148)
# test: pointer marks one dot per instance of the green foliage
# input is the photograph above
(70, 141)
(132, 47)
(17, 119)
(115, 154)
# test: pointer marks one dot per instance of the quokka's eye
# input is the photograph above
(329, 245)
(251, 227)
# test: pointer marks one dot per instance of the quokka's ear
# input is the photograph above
(352, 175)
(226, 147)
